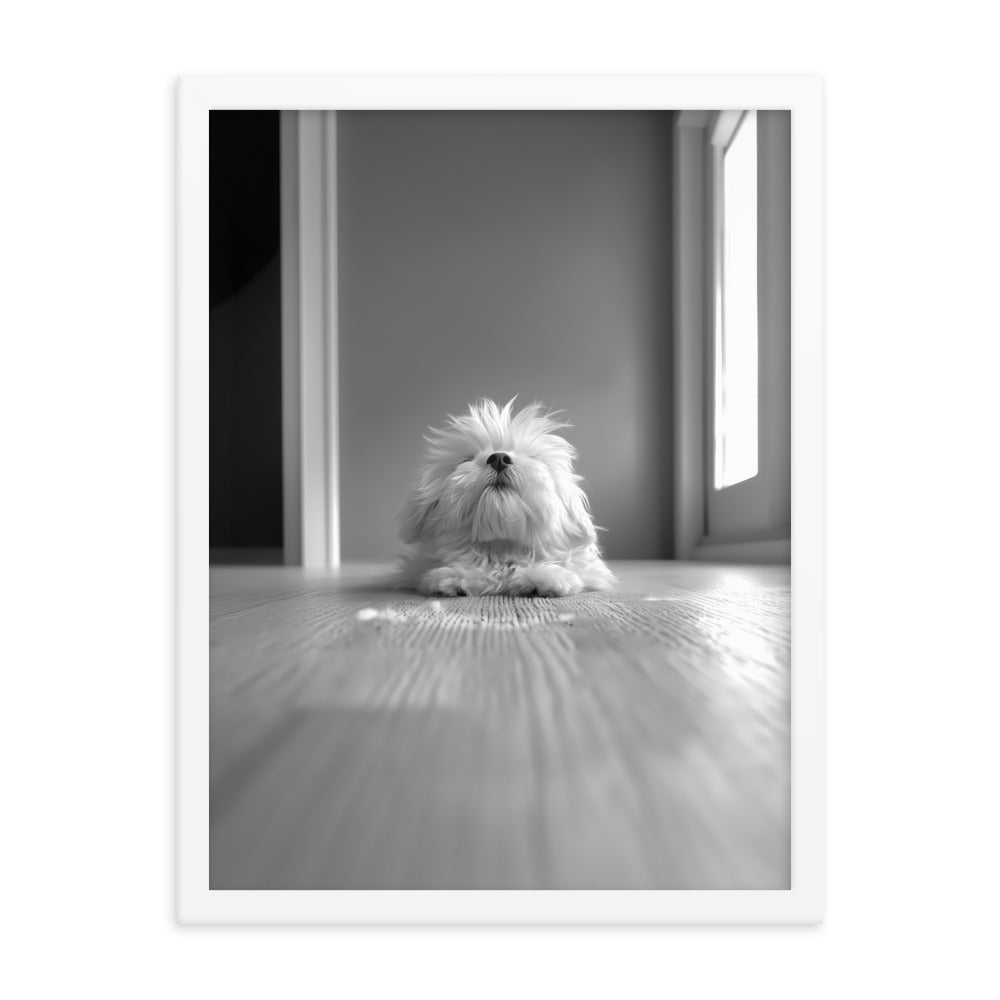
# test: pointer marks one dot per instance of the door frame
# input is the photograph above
(309, 338)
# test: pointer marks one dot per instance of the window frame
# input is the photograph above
(748, 521)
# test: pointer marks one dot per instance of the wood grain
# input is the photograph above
(636, 739)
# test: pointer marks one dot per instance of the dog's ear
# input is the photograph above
(420, 504)
(579, 525)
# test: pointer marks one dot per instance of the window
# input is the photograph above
(732, 379)
(736, 431)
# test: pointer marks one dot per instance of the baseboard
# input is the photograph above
(758, 550)
(245, 557)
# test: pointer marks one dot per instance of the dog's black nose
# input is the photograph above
(499, 460)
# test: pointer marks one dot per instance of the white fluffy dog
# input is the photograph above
(498, 510)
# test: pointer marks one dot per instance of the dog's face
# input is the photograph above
(494, 479)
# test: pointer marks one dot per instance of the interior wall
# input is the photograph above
(502, 253)
(774, 182)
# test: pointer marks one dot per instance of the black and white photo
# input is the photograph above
(500, 505)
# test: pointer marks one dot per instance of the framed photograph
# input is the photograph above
(499, 494)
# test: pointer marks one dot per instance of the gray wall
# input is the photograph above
(494, 253)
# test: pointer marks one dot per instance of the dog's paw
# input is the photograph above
(547, 580)
(596, 575)
(452, 581)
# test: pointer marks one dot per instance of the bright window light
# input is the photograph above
(736, 312)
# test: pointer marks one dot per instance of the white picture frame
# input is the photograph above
(195, 901)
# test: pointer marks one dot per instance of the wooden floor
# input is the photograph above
(368, 739)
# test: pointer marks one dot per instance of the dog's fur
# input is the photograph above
(524, 530)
